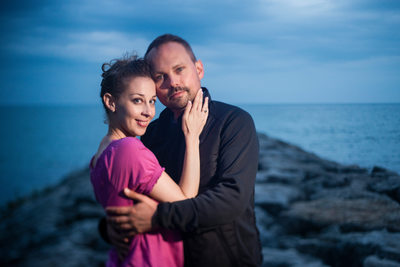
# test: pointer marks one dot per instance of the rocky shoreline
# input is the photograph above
(310, 212)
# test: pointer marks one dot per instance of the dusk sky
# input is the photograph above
(256, 51)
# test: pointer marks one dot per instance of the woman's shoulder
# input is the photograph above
(130, 151)
(127, 144)
(130, 141)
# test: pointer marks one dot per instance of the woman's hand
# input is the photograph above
(195, 117)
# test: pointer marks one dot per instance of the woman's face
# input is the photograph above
(135, 107)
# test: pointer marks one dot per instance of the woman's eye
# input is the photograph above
(137, 100)
(153, 101)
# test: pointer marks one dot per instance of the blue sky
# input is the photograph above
(255, 51)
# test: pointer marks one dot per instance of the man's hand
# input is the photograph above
(133, 219)
(119, 241)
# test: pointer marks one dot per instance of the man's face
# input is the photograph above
(176, 76)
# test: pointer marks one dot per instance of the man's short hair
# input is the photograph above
(166, 38)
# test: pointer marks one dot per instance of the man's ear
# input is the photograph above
(109, 102)
(199, 68)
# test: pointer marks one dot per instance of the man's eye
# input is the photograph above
(179, 69)
(159, 77)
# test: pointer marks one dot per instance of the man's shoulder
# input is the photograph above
(163, 117)
(153, 124)
(149, 132)
(225, 110)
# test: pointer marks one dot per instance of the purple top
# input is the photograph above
(128, 163)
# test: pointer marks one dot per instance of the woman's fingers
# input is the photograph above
(185, 116)
(204, 111)
(195, 115)
(188, 108)
(205, 105)
(197, 103)
(200, 107)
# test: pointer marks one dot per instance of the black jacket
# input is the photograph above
(218, 225)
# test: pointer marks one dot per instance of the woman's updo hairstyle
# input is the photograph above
(118, 73)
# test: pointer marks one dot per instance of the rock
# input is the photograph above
(278, 176)
(336, 181)
(345, 193)
(309, 211)
(388, 185)
(373, 261)
(268, 231)
(381, 172)
(55, 228)
(385, 244)
(351, 214)
(289, 257)
(275, 197)
(349, 249)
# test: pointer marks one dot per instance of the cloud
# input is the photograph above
(257, 44)
(292, 10)
(86, 46)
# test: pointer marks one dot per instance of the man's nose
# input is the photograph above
(173, 81)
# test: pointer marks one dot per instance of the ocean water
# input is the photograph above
(367, 135)
(41, 145)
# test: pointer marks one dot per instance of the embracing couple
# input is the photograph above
(184, 194)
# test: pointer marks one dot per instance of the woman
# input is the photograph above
(128, 94)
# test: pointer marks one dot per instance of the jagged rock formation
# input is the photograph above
(314, 212)
(55, 228)
(310, 212)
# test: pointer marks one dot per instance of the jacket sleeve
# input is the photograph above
(233, 189)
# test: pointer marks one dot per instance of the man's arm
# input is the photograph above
(130, 220)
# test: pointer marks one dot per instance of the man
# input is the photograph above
(218, 226)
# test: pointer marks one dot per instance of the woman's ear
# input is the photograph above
(109, 102)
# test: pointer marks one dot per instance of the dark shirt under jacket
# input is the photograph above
(218, 225)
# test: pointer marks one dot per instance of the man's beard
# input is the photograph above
(179, 103)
